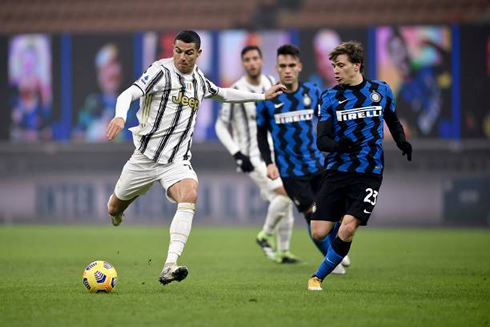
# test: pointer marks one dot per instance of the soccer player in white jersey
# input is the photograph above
(170, 92)
(241, 142)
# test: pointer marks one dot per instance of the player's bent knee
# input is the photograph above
(315, 236)
(184, 191)
(190, 196)
(320, 229)
(318, 235)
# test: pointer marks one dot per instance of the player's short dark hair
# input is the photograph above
(251, 48)
(352, 49)
(288, 49)
(188, 36)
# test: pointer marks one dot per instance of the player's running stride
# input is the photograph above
(236, 127)
(290, 120)
(351, 130)
(170, 92)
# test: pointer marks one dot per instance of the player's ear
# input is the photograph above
(199, 53)
(300, 66)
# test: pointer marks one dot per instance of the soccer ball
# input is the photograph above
(99, 276)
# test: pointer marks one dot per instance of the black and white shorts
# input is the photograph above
(347, 193)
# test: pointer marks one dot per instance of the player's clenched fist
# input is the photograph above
(272, 171)
(115, 126)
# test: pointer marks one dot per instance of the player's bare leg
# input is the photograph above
(184, 193)
(116, 207)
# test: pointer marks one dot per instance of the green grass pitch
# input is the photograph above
(398, 277)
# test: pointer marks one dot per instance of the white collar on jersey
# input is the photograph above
(182, 74)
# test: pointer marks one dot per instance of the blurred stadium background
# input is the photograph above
(64, 62)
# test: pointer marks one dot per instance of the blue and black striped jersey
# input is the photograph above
(357, 112)
(290, 120)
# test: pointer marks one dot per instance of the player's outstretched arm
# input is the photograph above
(122, 106)
(238, 96)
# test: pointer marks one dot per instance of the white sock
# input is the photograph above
(180, 229)
(277, 210)
(285, 230)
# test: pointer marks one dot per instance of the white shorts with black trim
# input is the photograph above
(265, 184)
(139, 174)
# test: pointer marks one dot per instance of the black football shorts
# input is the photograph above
(346, 193)
(302, 189)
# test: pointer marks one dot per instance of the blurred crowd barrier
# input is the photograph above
(445, 185)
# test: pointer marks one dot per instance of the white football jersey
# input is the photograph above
(241, 117)
(168, 110)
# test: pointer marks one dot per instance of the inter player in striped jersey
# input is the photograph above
(289, 119)
(350, 128)
(236, 128)
(170, 92)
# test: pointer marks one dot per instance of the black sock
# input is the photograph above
(341, 247)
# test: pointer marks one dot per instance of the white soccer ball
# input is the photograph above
(99, 276)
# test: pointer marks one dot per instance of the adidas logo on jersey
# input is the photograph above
(186, 101)
(359, 113)
(295, 116)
